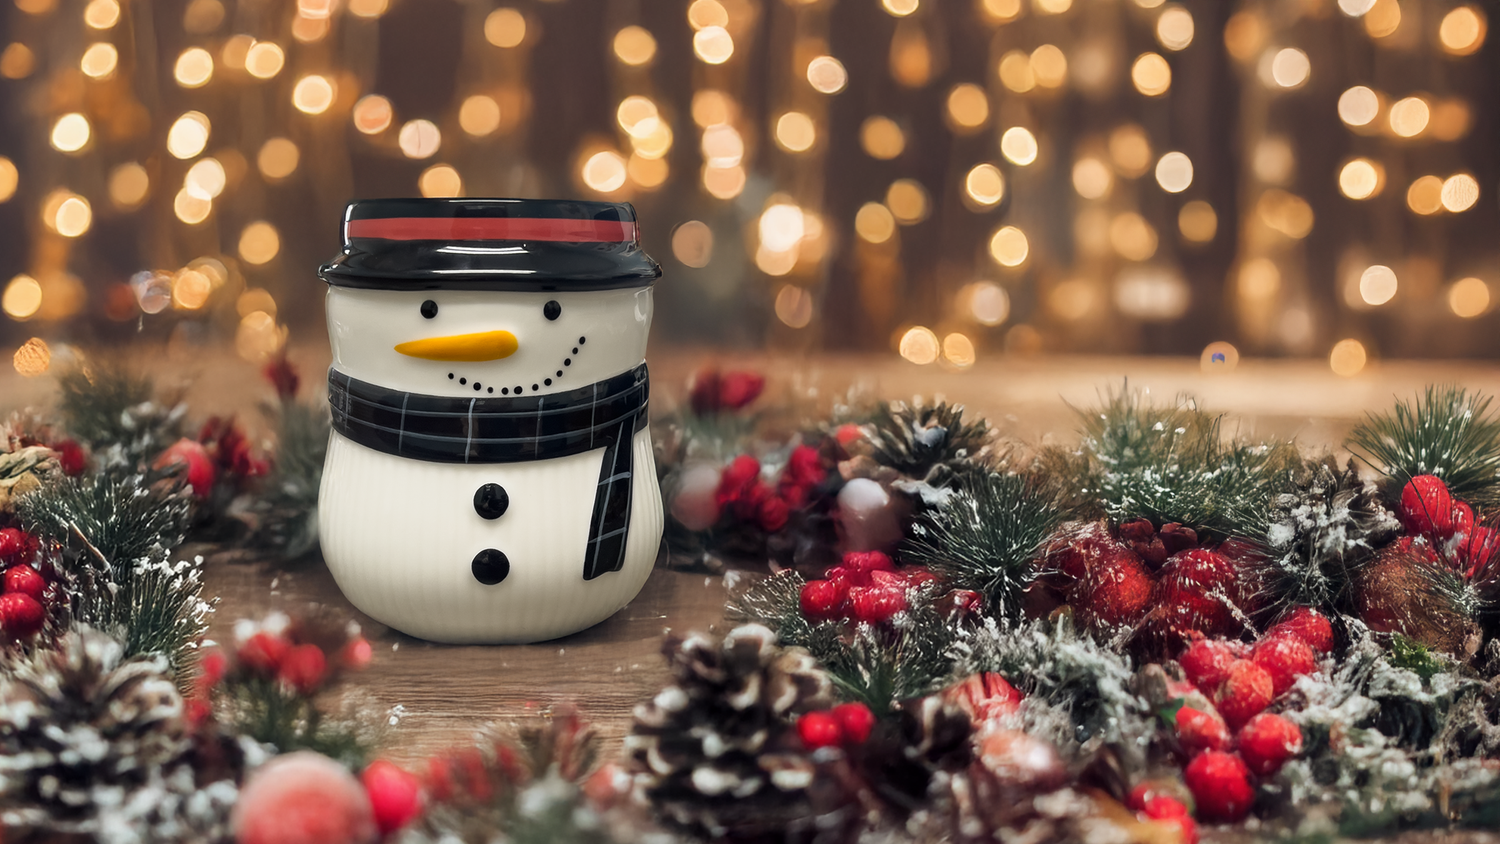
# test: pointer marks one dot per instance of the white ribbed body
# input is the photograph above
(400, 534)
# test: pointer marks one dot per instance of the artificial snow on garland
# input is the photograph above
(933, 635)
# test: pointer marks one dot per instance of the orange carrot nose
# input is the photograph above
(482, 345)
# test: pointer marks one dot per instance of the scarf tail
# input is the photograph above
(610, 525)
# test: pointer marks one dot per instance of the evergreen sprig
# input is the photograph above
(286, 511)
(915, 439)
(986, 537)
(117, 413)
(123, 518)
(1447, 431)
(1171, 463)
(271, 712)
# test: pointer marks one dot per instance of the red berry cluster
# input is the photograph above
(1222, 726)
(1428, 510)
(1153, 803)
(27, 594)
(230, 449)
(845, 725)
(865, 587)
(712, 391)
(295, 656)
(396, 796)
(1161, 578)
(745, 494)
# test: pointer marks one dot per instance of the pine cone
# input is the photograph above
(97, 747)
(932, 444)
(715, 751)
(1321, 532)
(23, 470)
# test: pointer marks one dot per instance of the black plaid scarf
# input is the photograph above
(511, 430)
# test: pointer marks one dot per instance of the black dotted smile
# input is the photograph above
(519, 389)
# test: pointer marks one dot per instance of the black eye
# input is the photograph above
(552, 310)
(429, 309)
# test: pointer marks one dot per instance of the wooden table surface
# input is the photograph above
(446, 693)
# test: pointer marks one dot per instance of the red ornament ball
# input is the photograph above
(304, 668)
(25, 580)
(820, 729)
(303, 798)
(21, 615)
(193, 457)
(1220, 784)
(395, 795)
(1245, 694)
(1267, 741)
(1426, 506)
(855, 720)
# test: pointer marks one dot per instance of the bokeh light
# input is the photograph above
(1383, 19)
(874, 222)
(1361, 178)
(479, 115)
(968, 106)
(129, 183)
(194, 68)
(724, 182)
(1409, 116)
(373, 114)
(17, 61)
(33, 358)
(10, 178)
(1019, 146)
(881, 138)
(368, 8)
(101, 14)
(1290, 68)
(1469, 297)
(205, 179)
(1425, 195)
(706, 13)
(984, 185)
(827, 75)
(604, 171)
(1459, 192)
(278, 158)
(313, 94)
(419, 139)
(70, 133)
(67, 213)
(796, 132)
(1092, 178)
(958, 350)
(1016, 72)
(99, 60)
(908, 201)
(1377, 284)
(505, 27)
(1174, 172)
(693, 244)
(22, 297)
(794, 306)
(985, 302)
(1347, 358)
(190, 290)
(722, 146)
(264, 60)
(259, 243)
(1009, 246)
(919, 345)
(1462, 31)
(1174, 27)
(1130, 150)
(1049, 66)
(781, 227)
(190, 208)
(899, 8)
(1132, 237)
(713, 44)
(1259, 280)
(1219, 356)
(1358, 106)
(1151, 74)
(1197, 221)
(634, 46)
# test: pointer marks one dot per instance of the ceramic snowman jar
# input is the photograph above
(489, 476)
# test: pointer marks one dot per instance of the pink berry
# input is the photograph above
(1206, 662)
(303, 798)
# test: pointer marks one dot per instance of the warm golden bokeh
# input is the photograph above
(881, 138)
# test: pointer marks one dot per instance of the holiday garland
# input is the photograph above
(958, 638)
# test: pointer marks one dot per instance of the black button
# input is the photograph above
(491, 501)
(490, 566)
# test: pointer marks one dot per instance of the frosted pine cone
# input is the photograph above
(716, 752)
(96, 748)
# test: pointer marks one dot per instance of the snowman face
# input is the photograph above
(486, 343)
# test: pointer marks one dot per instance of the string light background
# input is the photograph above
(944, 181)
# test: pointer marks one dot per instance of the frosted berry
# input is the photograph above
(876, 604)
(1198, 730)
(1285, 658)
(1244, 694)
(1206, 662)
(1114, 591)
(1426, 506)
(1172, 810)
(20, 614)
(855, 721)
(1477, 549)
(1307, 624)
(263, 652)
(1463, 518)
(695, 504)
(25, 580)
(16, 546)
(395, 795)
(303, 668)
(1220, 783)
(984, 696)
(868, 561)
(1197, 591)
(302, 798)
(821, 600)
(820, 729)
(1267, 741)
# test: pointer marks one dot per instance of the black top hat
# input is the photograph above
(490, 244)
